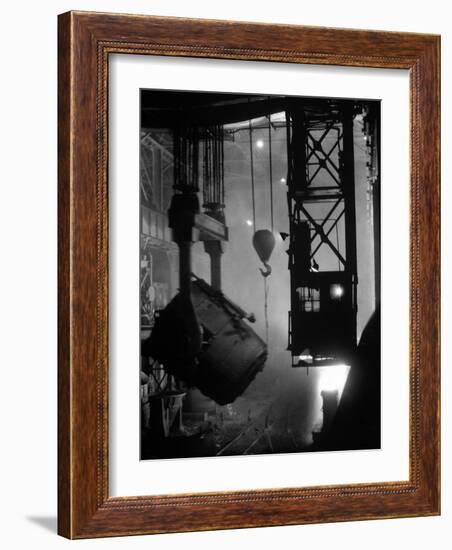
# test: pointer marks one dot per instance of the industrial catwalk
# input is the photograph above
(259, 274)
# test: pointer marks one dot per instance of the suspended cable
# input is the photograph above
(266, 289)
(270, 168)
(263, 240)
(253, 198)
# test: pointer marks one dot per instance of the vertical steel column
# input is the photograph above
(376, 206)
(215, 250)
(298, 152)
(348, 189)
(296, 179)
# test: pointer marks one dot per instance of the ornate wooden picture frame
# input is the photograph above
(86, 40)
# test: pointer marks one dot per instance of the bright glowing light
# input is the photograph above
(333, 378)
(259, 143)
(336, 291)
(249, 223)
(283, 180)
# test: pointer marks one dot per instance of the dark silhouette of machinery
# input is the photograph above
(322, 249)
(201, 337)
(330, 400)
(230, 354)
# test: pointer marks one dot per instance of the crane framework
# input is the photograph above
(322, 251)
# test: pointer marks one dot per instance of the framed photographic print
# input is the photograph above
(248, 275)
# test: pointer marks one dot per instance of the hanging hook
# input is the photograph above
(267, 271)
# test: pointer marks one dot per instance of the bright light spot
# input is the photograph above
(283, 180)
(336, 291)
(333, 378)
(259, 143)
(307, 358)
(249, 223)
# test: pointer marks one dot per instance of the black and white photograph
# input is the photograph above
(224, 236)
(259, 274)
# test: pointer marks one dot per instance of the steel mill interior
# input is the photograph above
(259, 274)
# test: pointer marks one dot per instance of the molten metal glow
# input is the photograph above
(333, 378)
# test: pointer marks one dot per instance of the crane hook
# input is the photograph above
(267, 271)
